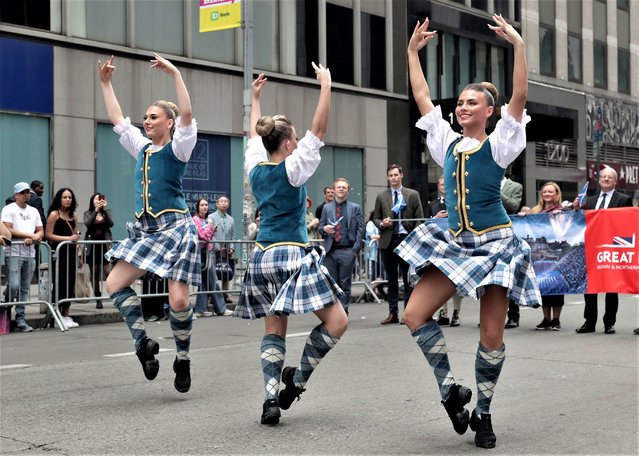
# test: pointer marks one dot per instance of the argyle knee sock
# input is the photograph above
(488, 364)
(181, 323)
(273, 350)
(129, 306)
(430, 339)
(318, 344)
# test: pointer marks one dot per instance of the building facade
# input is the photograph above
(583, 59)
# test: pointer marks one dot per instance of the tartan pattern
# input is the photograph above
(166, 246)
(474, 262)
(430, 339)
(130, 307)
(318, 344)
(273, 351)
(181, 324)
(285, 280)
(488, 366)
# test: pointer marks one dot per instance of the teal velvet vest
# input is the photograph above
(472, 181)
(282, 206)
(158, 182)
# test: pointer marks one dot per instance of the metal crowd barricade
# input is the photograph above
(11, 295)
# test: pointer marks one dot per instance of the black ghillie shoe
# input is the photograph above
(271, 412)
(454, 405)
(182, 369)
(291, 392)
(484, 437)
(146, 355)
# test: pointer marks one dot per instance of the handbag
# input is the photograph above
(83, 287)
(225, 269)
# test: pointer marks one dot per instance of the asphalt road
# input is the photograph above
(83, 392)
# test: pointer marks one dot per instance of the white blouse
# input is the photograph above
(183, 143)
(300, 165)
(507, 141)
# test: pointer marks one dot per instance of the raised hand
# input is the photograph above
(163, 64)
(505, 30)
(106, 70)
(421, 36)
(323, 74)
(258, 84)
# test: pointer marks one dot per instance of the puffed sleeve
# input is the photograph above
(508, 140)
(255, 153)
(440, 134)
(304, 160)
(184, 140)
(131, 137)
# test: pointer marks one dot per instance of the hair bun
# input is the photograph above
(265, 125)
(491, 88)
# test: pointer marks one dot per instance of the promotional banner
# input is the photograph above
(558, 251)
(220, 15)
(612, 255)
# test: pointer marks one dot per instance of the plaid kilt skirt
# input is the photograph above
(473, 262)
(166, 246)
(285, 280)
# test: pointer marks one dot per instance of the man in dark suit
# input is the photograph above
(437, 206)
(394, 229)
(35, 199)
(342, 224)
(606, 198)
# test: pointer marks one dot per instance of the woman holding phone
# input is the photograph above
(98, 222)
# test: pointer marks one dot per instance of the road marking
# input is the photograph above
(15, 366)
(119, 355)
(304, 334)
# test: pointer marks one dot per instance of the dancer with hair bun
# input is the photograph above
(285, 275)
(163, 240)
(479, 255)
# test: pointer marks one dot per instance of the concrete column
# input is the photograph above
(530, 30)
(561, 41)
(634, 49)
(288, 36)
(357, 43)
(611, 45)
(587, 45)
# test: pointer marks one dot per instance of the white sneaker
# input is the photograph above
(69, 323)
(227, 313)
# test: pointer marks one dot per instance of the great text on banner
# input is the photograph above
(612, 252)
(220, 15)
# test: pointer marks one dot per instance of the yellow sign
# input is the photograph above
(220, 15)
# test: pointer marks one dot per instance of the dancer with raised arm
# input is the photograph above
(479, 255)
(285, 275)
(163, 240)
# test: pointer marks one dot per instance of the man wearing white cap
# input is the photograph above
(24, 223)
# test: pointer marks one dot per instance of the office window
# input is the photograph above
(373, 51)
(623, 29)
(600, 63)
(574, 17)
(480, 4)
(339, 42)
(481, 62)
(547, 12)
(600, 19)
(574, 58)
(623, 70)
(623, 4)
(449, 70)
(431, 70)
(159, 25)
(218, 46)
(265, 36)
(546, 51)
(465, 62)
(307, 32)
(498, 68)
(30, 13)
(111, 31)
(501, 7)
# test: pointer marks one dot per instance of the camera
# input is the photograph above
(101, 198)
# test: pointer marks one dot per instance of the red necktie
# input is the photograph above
(338, 228)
